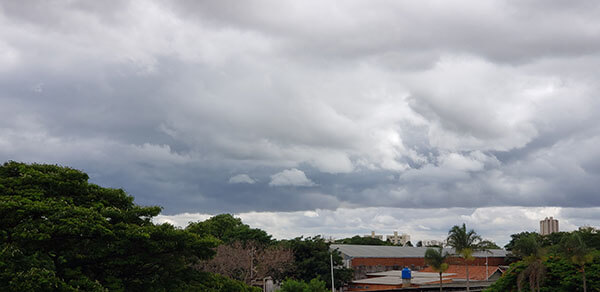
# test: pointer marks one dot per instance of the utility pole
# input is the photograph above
(487, 272)
(332, 284)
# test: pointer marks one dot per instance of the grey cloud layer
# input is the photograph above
(232, 107)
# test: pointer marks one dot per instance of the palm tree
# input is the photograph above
(576, 250)
(436, 259)
(530, 250)
(464, 243)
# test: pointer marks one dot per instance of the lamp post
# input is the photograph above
(332, 284)
(487, 272)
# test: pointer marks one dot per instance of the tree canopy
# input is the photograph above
(312, 260)
(59, 232)
(360, 240)
(229, 229)
(560, 261)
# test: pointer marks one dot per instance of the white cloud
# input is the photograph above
(460, 162)
(291, 177)
(241, 179)
(494, 223)
(311, 214)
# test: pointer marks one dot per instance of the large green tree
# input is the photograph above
(578, 253)
(312, 260)
(529, 248)
(229, 229)
(464, 242)
(61, 233)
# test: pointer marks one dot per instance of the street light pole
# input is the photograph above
(487, 272)
(332, 284)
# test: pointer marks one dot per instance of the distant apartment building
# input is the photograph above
(548, 225)
(433, 242)
(373, 235)
(398, 239)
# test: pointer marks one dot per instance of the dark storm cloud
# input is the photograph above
(312, 105)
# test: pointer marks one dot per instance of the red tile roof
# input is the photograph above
(476, 273)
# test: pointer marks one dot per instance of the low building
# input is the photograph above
(365, 259)
(373, 235)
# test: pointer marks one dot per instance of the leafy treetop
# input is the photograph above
(229, 229)
(359, 240)
(58, 232)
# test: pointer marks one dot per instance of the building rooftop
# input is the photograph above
(414, 274)
(428, 276)
(476, 273)
(381, 251)
(418, 278)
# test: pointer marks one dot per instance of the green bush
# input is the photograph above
(315, 285)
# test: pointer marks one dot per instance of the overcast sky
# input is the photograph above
(316, 117)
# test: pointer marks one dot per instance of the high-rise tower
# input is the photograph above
(548, 226)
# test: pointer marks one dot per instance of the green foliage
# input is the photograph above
(436, 258)
(515, 237)
(229, 229)
(363, 241)
(206, 282)
(578, 253)
(590, 237)
(314, 285)
(461, 239)
(561, 275)
(59, 232)
(464, 243)
(575, 249)
(508, 281)
(529, 248)
(312, 260)
(487, 245)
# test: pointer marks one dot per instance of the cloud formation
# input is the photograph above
(493, 223)
(291, 177)
(241, 179)
(414, 105)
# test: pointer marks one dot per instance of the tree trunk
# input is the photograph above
(584, 284)
(467, 268)
(440, 281)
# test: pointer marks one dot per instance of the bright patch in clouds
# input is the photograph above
(291, 177)
(241, 179)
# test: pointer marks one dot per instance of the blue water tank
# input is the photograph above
(406, 273)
